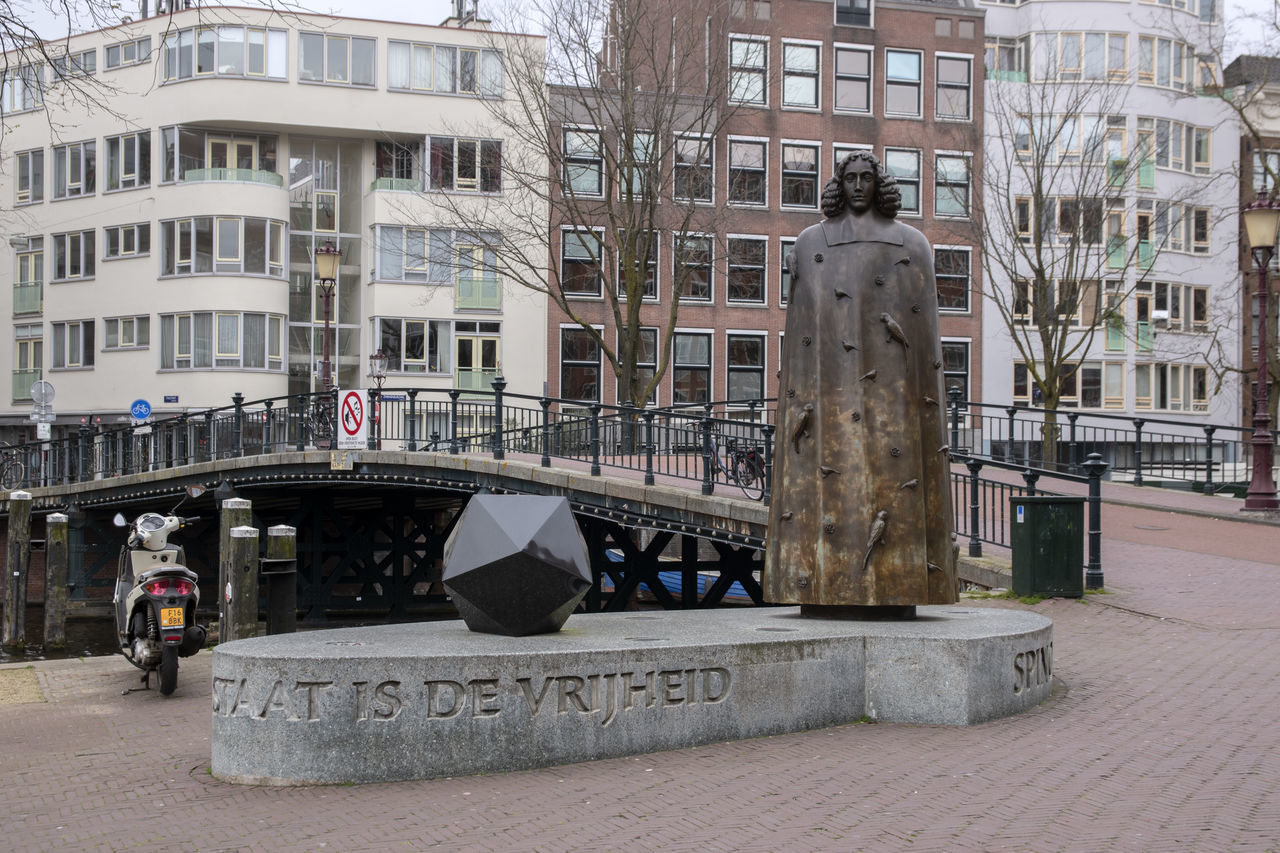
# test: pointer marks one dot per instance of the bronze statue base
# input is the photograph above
(860, 612)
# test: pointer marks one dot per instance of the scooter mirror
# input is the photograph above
(120, 520)
(195, 491)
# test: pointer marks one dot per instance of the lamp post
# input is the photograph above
(327, 258)
(378, 372)
(1261, 220)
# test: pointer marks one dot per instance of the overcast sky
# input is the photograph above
(1247, 38)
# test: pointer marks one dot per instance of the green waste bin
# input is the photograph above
(1047, 537)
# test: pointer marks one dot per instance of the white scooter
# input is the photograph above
(156, 597)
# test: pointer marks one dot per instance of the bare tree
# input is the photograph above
(608, 130)
(1056, 231)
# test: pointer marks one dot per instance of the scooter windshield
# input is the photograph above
(150, 522)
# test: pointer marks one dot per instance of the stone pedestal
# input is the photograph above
(434, 699)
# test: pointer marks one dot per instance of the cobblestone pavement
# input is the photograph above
(1162, 735)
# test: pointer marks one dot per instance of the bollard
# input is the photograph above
(413, 420)
(55, 581)
(236, 512)
(237, 425)
(975, 521)
(15, 570)
(280, 568)
(1094, 467)
(242, 585)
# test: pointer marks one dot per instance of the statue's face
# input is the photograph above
(859, 183)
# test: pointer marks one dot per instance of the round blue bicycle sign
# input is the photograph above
(140, 409)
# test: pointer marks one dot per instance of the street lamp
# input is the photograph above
(1261, 220)
(327, 258)
(378, 372)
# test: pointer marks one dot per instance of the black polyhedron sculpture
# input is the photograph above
(516, 564)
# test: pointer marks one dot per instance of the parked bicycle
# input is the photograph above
(741, 466)
(12, 471)
(320, 420)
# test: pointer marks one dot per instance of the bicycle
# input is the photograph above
(743, 467)
(320, 421)
(12, 472)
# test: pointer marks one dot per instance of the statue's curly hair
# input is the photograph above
(888, 197)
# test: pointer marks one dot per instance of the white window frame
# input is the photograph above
(128, 333)
(131, 241)
(756, 72)
(33, 191)
(868, 81)
(763, 143)
(598, 260)
(968, 288)
(79, 179)
(582, 161)
(708, 367)
(599, 362)
(701, 170)
(902, 81)
(762, 267)
(967, 157)
(939, 85)
(815, 75)
(677, 241)
(783, 171)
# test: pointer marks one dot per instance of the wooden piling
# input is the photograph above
(280, 566)
(236, 512)
(18, 558)
(242, 581)
(56, 564)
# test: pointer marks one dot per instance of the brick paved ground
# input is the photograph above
(1163, 735)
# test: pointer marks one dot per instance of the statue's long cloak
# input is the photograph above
(874, 442)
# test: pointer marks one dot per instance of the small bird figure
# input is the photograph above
(929, 401)
(847, 346)
(946, 448)
(802, 426)
(910, 484)
(826, 472)
(788, 515)
(933, 567)
(895, 331)
(877, 536)
(869, 375)
(841, 294)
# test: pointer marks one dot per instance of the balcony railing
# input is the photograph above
(1115, 171)
(22, 382)
(1115, 252)
(475, 378)
(1146, 257)
(245, 176)
(1146, 338)
(28, 297)
(1007, 76)
(1147, 174)
(478, 293)
(1115, 336)
(402, 185)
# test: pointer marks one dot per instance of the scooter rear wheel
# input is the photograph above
(168, 669)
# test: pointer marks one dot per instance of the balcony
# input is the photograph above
(28, 297)
(1146, 257)
(1147, 174)
(478, 293)
(398, 185)
(244, 176)
(474, 378)
(22, 382)
(1115, 171)
(1115, 335)
(1116, 252)
(1006, 76)
(1146, 337)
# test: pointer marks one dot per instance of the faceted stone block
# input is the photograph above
(516, 564)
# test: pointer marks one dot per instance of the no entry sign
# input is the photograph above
(353, 421)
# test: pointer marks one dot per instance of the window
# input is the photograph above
(29, 342)
(1266, 171)
(746, 269)
(126, 241)
(904, 164)
(21, 89)
(746, 367)
(1163, 62)
(131, 52)
(902, 82)
(227, 340)
(1079, 220)
(952, 271)
(126, 332)
(644, 257)
(466, 165)
(955, 367)
(691, 368)
(223, 51)
(73, 344)
(73, 256)
(954, 77)
(786, 247)
(951, 185)
(748, 174)
(74, 168)
(190, 153)
(799, 75)
(1171, 387)
(30, 177)
(580, 262)
(800, 175)
(1006, 58)
(583, 163)
(398, 160)
(853, 79)
(1022, 218)
(128, 161)
(748, 66)
(444, 69)
(692, 277)
(579, 364)
(406, 253)
(646, 361)
(414, 346)
(637, 166)
(78, 64)
(230, 245)
(1200, 230)
(694, 168)
(343, 60)
(853, 13)
(28, 294)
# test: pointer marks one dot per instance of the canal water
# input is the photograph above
(87, 636)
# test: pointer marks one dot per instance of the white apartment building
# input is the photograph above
(165, 210)
(1137, 70)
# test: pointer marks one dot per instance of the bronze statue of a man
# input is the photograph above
(861, 514)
